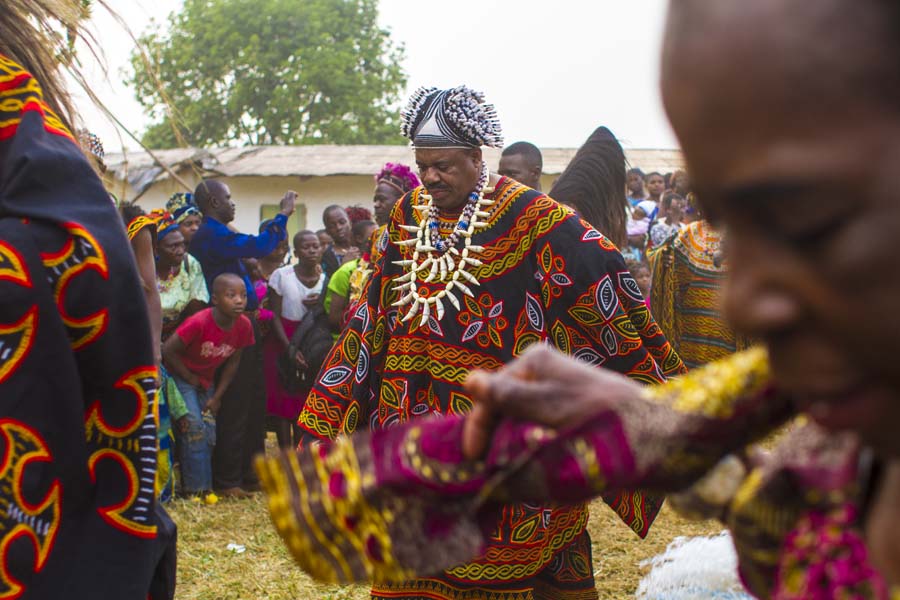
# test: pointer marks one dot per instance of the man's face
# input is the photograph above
(449, 174)
(810, 211)
(516, 166)
(221, 203)
(338, 226)
(656, 185)
(635, 184)
(386, 197)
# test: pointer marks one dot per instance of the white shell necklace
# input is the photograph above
(441, 260)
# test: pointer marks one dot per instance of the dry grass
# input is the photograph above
(208, 571)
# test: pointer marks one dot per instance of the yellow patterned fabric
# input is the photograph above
(684, 296)
(138, 224)
(399, 501)
(388, 505)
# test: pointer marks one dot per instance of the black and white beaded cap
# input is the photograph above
(454, 118)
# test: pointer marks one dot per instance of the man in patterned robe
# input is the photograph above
(478, 268)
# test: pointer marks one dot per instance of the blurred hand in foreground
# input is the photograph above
(543, 386)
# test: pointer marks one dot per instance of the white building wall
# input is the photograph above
(251, 193)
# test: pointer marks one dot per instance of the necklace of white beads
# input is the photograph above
(437, 259)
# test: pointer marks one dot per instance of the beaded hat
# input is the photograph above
(454, 118)
(91, 143)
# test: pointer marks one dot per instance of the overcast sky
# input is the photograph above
(555, 69)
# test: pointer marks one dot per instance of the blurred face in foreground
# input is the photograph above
(822, 290)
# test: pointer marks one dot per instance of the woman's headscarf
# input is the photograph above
(181, 206)
(165, 222)
(398, 176)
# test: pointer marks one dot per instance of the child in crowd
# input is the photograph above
(669, 223)
(637, 227)
(341, 249)
(641, 273)
(261, 288)
(202, 344)
(324, 239)
(292, 290)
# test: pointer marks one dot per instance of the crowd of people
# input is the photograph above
(230, 305)
(453, 378)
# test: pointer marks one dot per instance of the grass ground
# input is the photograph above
(207, 570)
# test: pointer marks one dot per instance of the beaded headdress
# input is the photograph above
(92, 144)
(454, 118)
(182, 206)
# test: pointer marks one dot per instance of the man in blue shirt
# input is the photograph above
(240, 423)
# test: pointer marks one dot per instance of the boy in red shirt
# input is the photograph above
(206, 341)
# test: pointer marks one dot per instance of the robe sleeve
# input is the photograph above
(592, 309)
(393, 504)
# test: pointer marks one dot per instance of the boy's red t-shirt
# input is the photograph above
(207, 345)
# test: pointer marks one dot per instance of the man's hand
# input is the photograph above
(544, 387)
(287, 203)
(183, 424)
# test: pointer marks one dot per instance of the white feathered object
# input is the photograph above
(693, 569)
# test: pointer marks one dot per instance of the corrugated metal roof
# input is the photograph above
(141, 170)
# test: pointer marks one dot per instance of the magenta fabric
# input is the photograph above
(279, 402)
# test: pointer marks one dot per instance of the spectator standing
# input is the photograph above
(337, 297)
(241, 421)
(681, 183)
(185, 214)
(523, 162)
(672, 209)
(341, 249)
(212, 338)
(292, 289)
(182, 293)
(656, 187)
(179, 278)
(634, 181)
(324, 239)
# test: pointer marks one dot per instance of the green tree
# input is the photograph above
(270, 72)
